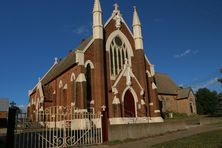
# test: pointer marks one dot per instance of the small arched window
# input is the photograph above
(118, 54)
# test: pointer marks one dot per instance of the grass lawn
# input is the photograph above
(204, 140)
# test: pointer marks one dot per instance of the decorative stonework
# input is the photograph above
(154, 86)
(117, 17)
(116, 101)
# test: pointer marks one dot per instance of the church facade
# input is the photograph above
(109, 72)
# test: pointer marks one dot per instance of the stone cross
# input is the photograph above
(116, 7)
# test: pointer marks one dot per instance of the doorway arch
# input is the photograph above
(129, 105)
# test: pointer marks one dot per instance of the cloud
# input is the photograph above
(205, 84)
(81, 30)
(186, 52)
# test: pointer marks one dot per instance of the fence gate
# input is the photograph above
(58, 127)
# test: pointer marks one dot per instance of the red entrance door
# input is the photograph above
(129, 105)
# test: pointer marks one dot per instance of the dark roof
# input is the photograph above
(64, 64)
(165, 85)
(59, 68)
(84, 43)
(184, 93)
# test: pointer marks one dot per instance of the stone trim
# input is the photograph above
(81, 78)
(60, 84)
(80, 57)
(134, 97)
(122, 20)
(155, 119)
(154, 86)
(116, 121)
(73, 77)
(116, 101)
(157, 111)
(90, 63)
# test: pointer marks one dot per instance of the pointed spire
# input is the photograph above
(136, 20)
(137, 30)
(97, 6)
(97, 21)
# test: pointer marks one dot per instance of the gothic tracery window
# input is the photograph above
(118, 54)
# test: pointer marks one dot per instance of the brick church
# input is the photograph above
(109, 72)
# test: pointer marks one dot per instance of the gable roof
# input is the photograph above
(84, 43)
(64, 64)
(59, 68)
(184, 93)
(165, 85)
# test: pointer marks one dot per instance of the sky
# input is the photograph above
(182, 38)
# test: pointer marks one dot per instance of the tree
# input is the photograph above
(206, 101)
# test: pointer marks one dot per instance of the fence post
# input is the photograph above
(11, 127)
(105, 126)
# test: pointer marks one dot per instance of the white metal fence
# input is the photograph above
(59, 127)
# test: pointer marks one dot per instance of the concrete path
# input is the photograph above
(147, 142)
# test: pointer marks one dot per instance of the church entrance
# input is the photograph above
(129, 105)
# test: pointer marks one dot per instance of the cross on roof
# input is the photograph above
(116, 7)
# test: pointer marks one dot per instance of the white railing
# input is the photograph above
(59, 127)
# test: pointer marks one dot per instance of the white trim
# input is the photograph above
(80, 57)
(89, 44)
(151, 103)
(157, 111)
(39, 87)
(92, 102)
(143, 102)
(154, 86)
(115, 121)
(116, 101)
(90, 63)
(72, 103)
(65, 86)
(155, 119)
(31, 91)
(148, 74)
(60, 84)
(147, 60)
(126, 69)
(123, 21)
(73, 77)
(81, 78)
(123, 37)
(152, 70)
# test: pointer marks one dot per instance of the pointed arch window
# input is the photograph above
(118, 54)
(88, 85)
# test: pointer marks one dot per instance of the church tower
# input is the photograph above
(98, 50)
(99, 84)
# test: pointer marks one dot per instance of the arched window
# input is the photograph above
(118, 53)
(88, 86)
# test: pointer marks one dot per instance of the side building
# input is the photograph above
(174, 98)
(4, 106)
